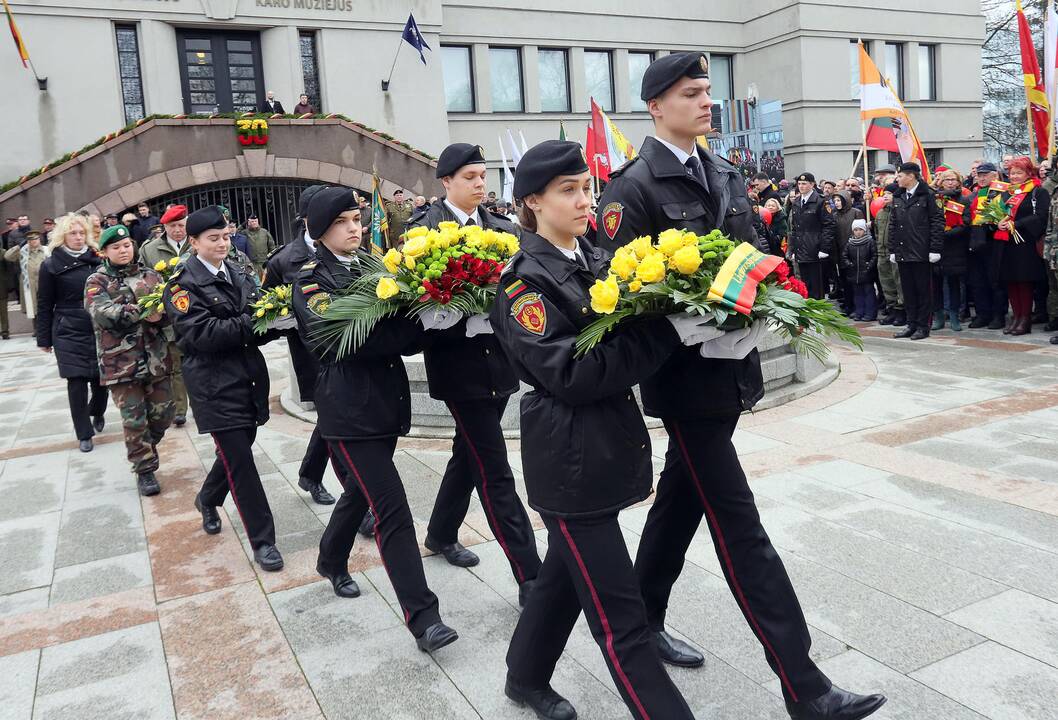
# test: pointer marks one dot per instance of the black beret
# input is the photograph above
(456, 156)
(806, 177)
(910, 167)
(306, 197)
(326, 205)
(986, 168)
(208, 218)
(545, 162)
(665, 71)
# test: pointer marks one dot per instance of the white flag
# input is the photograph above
(508, 177)
(516, 153)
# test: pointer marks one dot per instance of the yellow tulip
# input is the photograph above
(284, 312)
(392, 260)
(604, 295)
(416, 247)
(651, 269)
(160, 265)
(640, 246)
(670, 241)
(635, 286)
(687, 259)
(386, 288)
(417, 232)
(259, 313)
(409, 262)
(173, 262)
(624, 263)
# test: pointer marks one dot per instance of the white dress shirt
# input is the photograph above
(461, 216)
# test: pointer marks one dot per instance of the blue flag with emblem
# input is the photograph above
(414, 38)
(379, 224)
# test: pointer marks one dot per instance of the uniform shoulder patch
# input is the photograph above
(310, 288)
(516, 288)
(276, 249)
(529, 312)
(92, 290)
(309, 265)
(319, 303)
(181, 300)
(612, 215)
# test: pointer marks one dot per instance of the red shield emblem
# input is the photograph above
(611, 219)
(530, 313)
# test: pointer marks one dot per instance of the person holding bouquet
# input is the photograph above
(700, 393)
(208, 299)
(1021, 241)
(363, 405)
(585, 447)
(468, 371)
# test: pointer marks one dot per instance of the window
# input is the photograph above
(598, 72)
(927, 75)
(894, 66)
(505, 85)
(242, 75)
(129, 69)
(637, 65)
(458, 79)
(721, 76)
(310, 69)
(554, 81)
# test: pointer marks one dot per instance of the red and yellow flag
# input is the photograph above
(20, 47)
(735, 286)
(1035, 93)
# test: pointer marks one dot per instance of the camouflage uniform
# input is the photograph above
(149, 254)
(1050, 250)
(887, 274)
(134, 358)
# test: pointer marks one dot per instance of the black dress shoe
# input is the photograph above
(524, 590)
(86, 445)
(836, 704)
(436, 637)
(978, 322)
(905, 333)
(676, 652)
(148, 484)
(367, 525)
(920, 334)
(343, 584)
(899, 319)
(997, 323)
(268, 557)
(886, 320)
(180, 420)
(1051, 325)
(319, 494)
(545, 702)
(210, 517)
(455, 553)
(1054, 339)
(98, 423)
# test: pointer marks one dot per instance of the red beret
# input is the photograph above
(174, 213)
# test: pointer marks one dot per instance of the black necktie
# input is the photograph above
(221, 276)
(694, 167)
(469, 222)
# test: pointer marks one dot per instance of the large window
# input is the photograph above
(554, 81)
(598, 72)
(129, 68)
(220, 71)
(505, 84)
(721, 76)
(894, 66)
(458, 78)
(310, 69)
(637, 65)
(927, 73)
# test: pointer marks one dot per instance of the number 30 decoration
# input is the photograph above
(252, 132)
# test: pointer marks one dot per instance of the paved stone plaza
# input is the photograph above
(914, 500)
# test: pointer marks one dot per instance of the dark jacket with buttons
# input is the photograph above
(364, 395)
(62, 322)
(811, 229)
(282, 268)
(655, 193)
(225, 373)
(916, 227)
(459, 368)
(585, 447)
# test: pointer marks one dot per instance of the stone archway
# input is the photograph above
(165, 155)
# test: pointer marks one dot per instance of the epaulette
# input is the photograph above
(508, 267)
(275, 250)
(177, 272)
(627, 164)
(309, 265)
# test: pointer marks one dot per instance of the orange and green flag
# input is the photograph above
(20, 47)
(735, 286)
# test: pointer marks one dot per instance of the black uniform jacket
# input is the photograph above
(282, 268)
(916, 227)
(62, 323)
(459, 368)
(365, 395)
(585, 448)
(811, 229)
(655, 193)
(225, 373)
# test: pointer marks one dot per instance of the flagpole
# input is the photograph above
(866, 162)
(385, 83)
(1032, 128)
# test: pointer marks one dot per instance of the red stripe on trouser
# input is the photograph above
(485, 493)
(730, 565)
(231, 485)
(602, 619)
(378, 521)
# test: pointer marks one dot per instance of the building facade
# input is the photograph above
(491, 66)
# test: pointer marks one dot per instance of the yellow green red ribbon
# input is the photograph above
(735, 286)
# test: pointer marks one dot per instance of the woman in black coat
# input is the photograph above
(1021, 263)
(954, 258)
(63, 324)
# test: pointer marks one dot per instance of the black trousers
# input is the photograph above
(479, 460)
(82, 410)
(314, 464)
(988, 294)
(916, 280)
(812, 276)
(234, 470)
(373, 483)
(587, 568)
(703, 477)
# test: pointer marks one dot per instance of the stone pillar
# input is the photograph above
(281, 63)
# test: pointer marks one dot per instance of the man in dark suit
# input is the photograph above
(270, 105)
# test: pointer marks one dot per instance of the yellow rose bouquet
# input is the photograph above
(152, 302)
(272, 308)
(451, 267)
(732, 284)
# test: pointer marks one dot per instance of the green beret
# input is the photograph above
(113, 234)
